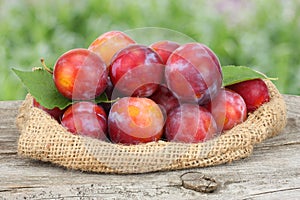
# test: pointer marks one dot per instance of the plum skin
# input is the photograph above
(228, 109)
(193, 73)
(165, 98)
(134, 120)
(190, 123)
(255, 93)
(109, 43)
(136, 71)
(164, 49)
(55, 112)
(80, 74)
(86, 119)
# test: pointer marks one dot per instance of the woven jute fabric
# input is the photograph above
(43, 138)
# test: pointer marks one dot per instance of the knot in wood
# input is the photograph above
(198, 182)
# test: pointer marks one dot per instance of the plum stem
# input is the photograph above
(45, 66)
(272, 79)
(111, 101)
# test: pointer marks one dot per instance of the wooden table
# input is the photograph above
(271, 172)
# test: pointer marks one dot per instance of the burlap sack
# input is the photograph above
(42, 138)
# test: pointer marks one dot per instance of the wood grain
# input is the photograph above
(271, 172)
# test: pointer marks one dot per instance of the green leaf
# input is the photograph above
(102, 98)
(235, 74)
(40, 85)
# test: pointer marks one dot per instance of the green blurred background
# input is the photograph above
(264, 35)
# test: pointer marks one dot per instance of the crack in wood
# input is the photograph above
(266, 146)
(15, 188)
(272, 191)
(7, 153)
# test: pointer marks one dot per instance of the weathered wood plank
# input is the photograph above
(271, 172)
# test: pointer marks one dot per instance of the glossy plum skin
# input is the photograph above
(56, 113)
(254, 92)
(228, 109)
(109, 43)
(80, 74)
(134, 120)
(193, 73)
(86, 119)
(190, 123)
(136, 71)
(165, 98)
(164, 49)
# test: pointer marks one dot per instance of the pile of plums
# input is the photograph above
(164, 91)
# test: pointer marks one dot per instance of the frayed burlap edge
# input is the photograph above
(42, 138)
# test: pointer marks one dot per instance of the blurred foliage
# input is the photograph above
(260, 34)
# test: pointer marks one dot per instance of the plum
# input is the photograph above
(190, 123)
(109, 43)
(86, 119)
(165, 98)
(80, 74)
(254, 92)
(164, 49)
(56, 113)
(136, 71)
(193, 73)
(134, 120)
(228, 109)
